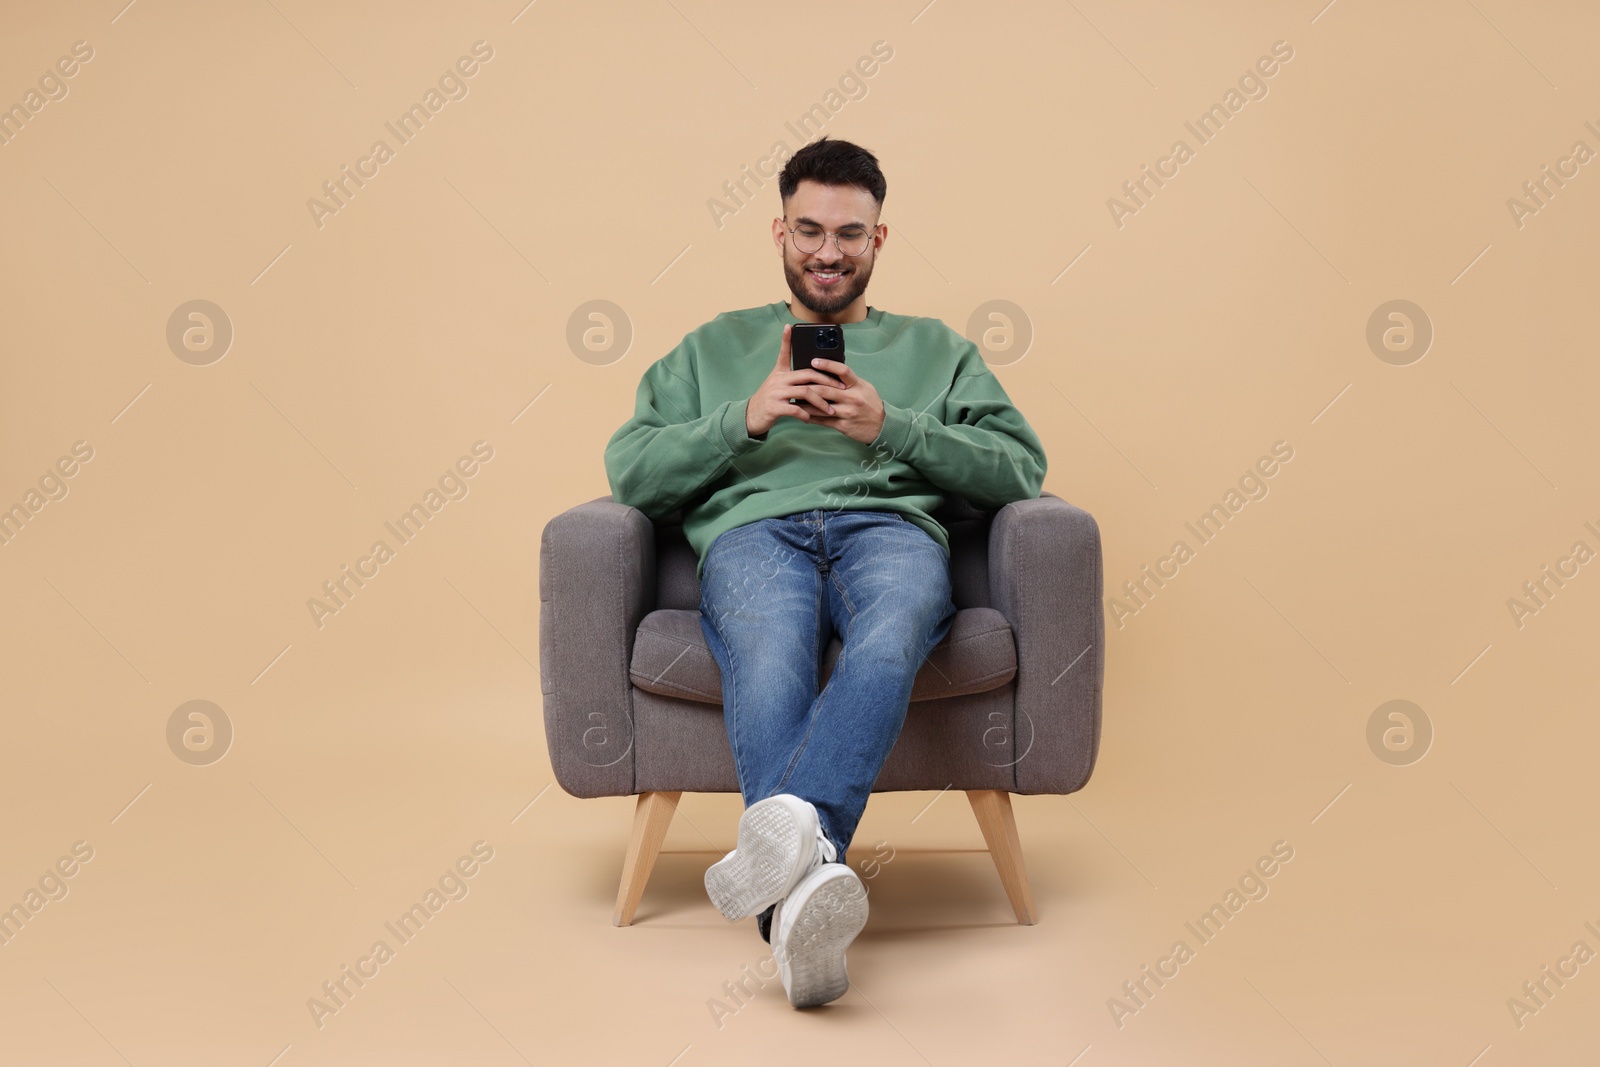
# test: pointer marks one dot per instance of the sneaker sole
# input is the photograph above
(759, 871)
(829, 920)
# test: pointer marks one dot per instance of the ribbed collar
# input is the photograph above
(874, 318)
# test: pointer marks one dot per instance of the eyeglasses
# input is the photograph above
(851, 241)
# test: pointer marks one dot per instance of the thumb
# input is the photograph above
(783, 349)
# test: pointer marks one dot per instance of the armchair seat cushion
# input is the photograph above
(670, 657)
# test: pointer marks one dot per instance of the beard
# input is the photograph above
(832, 300)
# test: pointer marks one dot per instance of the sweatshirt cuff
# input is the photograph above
(896, 432)
(736, 437)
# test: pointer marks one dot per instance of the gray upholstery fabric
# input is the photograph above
(683, 746)
(1011, 699)
(1045, 578)
(670, 657)
(597, 579)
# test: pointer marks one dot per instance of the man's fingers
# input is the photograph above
(840, 370)
(808, 398)
(783, 349)
(823, 405)
(812, 376)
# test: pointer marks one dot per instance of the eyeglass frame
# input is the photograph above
(825, 235)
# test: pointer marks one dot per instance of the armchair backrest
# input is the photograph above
(968, 527)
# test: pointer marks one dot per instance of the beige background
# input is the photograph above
(431, 312)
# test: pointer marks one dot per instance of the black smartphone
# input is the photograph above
(814, 340)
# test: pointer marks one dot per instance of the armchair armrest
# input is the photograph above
(1045, 577)
(597, 580)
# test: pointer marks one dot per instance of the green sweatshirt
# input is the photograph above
(948, 427)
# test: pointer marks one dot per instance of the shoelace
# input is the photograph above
(825, 848)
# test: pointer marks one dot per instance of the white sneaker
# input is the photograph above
(780, 842)
(812, 927)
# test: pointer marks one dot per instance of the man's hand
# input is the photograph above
(855, 406)
(770, 402)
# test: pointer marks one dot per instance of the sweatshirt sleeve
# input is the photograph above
(668, 452)
(982, 450)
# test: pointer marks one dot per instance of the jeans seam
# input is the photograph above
(730, 708)
(811, 724)
(844, 595)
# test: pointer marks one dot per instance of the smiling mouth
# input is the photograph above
(826, 277)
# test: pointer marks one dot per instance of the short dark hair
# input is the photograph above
(833, 163)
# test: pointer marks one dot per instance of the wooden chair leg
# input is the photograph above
(999, 826)
(651, 817)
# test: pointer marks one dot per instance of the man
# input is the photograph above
(807, 499)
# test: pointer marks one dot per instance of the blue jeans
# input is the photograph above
(772, 593)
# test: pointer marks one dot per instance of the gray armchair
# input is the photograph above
(1008, 703)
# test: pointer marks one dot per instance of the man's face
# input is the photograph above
(827, 282)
